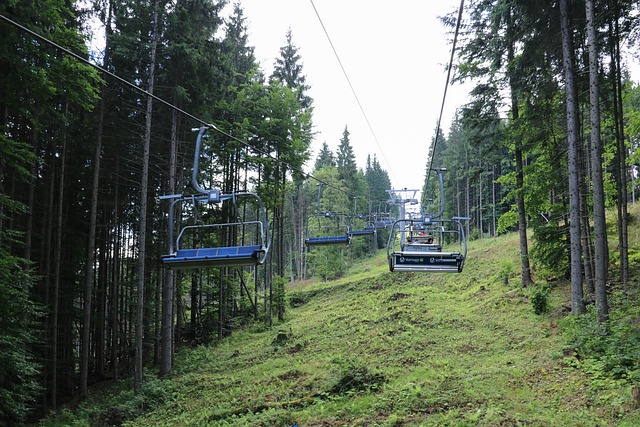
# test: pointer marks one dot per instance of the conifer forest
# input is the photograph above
(95, 140)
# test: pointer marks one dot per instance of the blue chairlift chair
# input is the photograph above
(327, 228)
(361, 225)
(200, 245)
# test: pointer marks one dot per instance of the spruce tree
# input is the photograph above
(288, 69)
(325, 157)
(346, 160)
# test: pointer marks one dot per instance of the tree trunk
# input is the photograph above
(480, 222)
(601, 258)
(525, 266)
(577, 303)
(221, 306)
(47, 260)
(622, 158)
(28, 235)
(89, 271)
(281, 246)
(494, 220)
(585, 226)
(194, 309)
(157, 314)
(179, 308)
(115, 280)
(166, 353)
(101, 307)
(522, 216)
(144, 190)
(55, 302)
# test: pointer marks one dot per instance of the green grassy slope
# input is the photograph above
(391, 349)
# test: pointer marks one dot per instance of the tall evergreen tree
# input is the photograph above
(619, 20)
(346, 160)
(434, 159)
(509, 47)
(235, 45)
(378, 182)
(600, 222)
(43, 98)
(144, 191)
(577, 303)
(377, 179)
(325, 157)
(288, 69)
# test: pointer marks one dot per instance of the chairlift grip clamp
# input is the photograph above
(214, 196)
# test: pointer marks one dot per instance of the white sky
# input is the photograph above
(395, 55)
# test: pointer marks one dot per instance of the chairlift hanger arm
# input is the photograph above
(441, 189)
(196, 167)
(320, 187)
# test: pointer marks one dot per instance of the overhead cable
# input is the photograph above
(163, 101)
(446, 86)
(353, 91)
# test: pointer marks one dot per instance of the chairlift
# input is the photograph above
(379, 220)
(428, 243)
(360, 224)
(418, 253)
(201, 244)
(327, 228)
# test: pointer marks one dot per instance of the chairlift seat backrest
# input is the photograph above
(365, 232)
(444, 262)
(328, 240)
(422, 247)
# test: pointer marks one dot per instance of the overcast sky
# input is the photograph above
(394, 54)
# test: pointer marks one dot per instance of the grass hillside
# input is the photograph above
(386, 349)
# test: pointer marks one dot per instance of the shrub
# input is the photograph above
(551, 249)
(540, 299)
(507, 270)
(357, 378)
(609, 349)
(19, 369)
(128, 405)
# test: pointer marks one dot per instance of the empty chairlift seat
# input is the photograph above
(367, 231)
(195, 245)
(327, 240)
(361, 226)
(328, 228)
(215, 257)
(198, 245)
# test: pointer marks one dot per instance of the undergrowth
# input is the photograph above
(610, 350)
